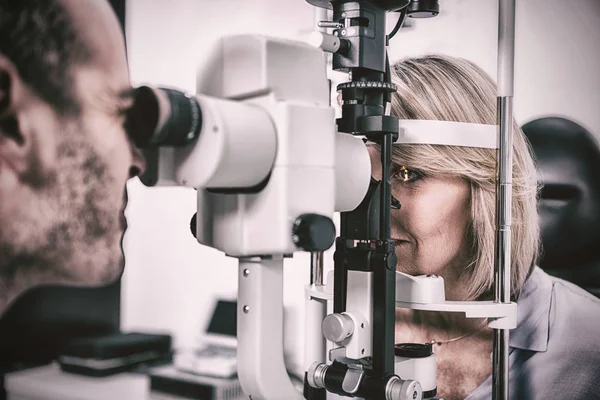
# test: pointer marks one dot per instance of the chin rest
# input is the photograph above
(568, 160)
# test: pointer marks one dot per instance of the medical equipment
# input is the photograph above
(259, 144)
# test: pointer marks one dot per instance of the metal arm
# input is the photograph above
(260, 346)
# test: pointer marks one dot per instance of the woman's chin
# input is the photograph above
(407, 267)
(405, 262)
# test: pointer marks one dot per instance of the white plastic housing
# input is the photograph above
(419, 289)
(359, 307)
(261, 367)
(352, 172)
(427, 293)
(422, 370)
(235, 149)
(304, 176)
(448, 133)
(248, 66)
(327, 42)
(314, 343)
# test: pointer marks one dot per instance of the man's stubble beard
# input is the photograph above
(66, 230)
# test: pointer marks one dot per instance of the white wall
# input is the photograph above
(170, 279)
(557, 57)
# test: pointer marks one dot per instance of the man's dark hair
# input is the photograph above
(39, 37)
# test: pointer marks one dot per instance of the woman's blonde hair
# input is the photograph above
(444, 88)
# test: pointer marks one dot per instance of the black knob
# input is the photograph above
(313, 232)
(193, 225)
(423, 8)
(413, 350)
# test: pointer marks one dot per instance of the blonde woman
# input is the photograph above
(446, 226)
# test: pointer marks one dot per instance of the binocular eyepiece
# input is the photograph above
(163, 117)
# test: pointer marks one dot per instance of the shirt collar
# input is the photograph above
(533, 313)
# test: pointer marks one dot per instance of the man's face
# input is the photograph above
(65, 224)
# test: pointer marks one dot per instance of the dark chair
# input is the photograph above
(568, 159)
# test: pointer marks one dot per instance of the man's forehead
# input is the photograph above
(105, 77)
(97, 24)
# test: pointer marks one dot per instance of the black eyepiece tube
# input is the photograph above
(163, 117)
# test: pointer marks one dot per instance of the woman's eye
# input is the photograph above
(407, 174)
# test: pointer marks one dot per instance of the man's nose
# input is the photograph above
(138, 162)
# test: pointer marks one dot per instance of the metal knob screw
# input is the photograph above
(398, 389)
(337, 327)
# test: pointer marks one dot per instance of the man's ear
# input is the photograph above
(14, 143)
(11, 95)
(4, 91)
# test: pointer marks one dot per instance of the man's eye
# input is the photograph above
(123, 110)
(405, 174)
(124, 115)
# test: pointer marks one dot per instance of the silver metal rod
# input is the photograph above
(504, 201)
(506, 48)
(502, 266)
(316, 268)
(500, 381)
(329, 24)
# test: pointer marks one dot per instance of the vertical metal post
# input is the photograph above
(502, 266)
(384, 283)
(316, 268)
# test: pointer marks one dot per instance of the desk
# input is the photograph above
(51, 383)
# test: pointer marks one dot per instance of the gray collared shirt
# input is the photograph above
(554, 351)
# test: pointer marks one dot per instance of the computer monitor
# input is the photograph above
(224, 319)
